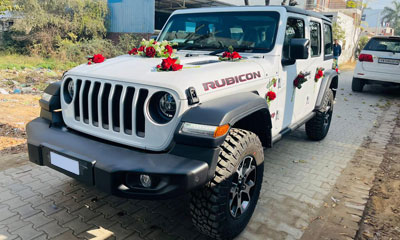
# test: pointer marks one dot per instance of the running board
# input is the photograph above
(293, 127)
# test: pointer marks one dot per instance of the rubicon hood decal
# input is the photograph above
(231, 80)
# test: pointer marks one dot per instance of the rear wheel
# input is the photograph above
(223, 207)
(318, 127)
(357, 85)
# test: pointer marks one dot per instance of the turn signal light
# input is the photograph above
(366, 58)
(221, 130)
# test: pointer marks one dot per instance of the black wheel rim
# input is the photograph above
(243, 185)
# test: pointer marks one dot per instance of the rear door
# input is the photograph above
(385, 53)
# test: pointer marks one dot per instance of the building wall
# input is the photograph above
(128, 16)
(350, 42)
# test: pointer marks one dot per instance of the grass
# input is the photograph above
(20, 62)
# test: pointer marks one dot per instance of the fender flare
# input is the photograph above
(330, 81)
(225, 110)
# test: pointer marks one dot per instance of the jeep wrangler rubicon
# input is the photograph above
(133, 131)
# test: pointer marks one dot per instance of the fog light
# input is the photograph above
(145, 180)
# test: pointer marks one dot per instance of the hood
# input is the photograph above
(203, 72)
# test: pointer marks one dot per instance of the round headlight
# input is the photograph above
(68, 90)
(71, 88)
(162, 107)
(167, 105)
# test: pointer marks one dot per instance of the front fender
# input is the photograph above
(226, 110)
(330, 81)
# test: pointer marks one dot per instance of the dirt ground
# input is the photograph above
(16, 110)
(381, 218)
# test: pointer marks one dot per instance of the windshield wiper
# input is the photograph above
(240, 49)
(217, 51)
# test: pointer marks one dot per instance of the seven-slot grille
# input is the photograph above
(110, 106)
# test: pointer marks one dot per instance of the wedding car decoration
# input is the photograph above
(230, 55)
(319, 74)
(97, 58)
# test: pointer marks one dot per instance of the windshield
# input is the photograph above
(384, 45)
(245, 31)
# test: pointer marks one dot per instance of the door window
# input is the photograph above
(294, 29)
(328, 41)
(315, 35)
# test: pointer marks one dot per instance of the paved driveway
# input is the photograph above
(39, 203)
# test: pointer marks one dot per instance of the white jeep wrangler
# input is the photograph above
(136, 132)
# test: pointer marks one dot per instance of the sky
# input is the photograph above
(374, 4)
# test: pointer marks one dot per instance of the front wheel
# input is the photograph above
(318, 127)
(223, 207)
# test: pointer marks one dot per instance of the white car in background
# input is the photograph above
(379, 62)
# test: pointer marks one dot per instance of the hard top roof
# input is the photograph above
(261, 8)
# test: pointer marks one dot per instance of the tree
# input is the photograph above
(44, 24)
(361, 44)
(338, 32)
(392, 15)
(5, 5)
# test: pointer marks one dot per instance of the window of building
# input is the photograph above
(315, 35)
(294, 29)
(328, 40)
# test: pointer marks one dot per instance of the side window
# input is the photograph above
(294, 29)
(315, 35)
(328, 41)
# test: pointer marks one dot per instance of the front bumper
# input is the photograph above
(115, 168)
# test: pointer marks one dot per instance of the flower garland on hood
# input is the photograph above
(154, 49)
(230, 55)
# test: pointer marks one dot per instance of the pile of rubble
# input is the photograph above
(27, 81)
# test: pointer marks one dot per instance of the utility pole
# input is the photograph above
(246, 2)
(267, 2)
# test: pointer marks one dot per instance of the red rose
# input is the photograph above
(141, 49)
(271, 95)
(155, 42)
(235, 55)
(296, 82)
(167, 63)
(320, 74)
(98, 58)
(176, 67)
(89, 63)
(226, 55)
(158, 66)
(150, 52)
(134, 51)
(169, 49)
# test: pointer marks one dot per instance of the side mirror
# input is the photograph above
(299, 48)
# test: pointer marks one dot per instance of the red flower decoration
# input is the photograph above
(226, 55)
(150, 52)
(296, 82)
(134, 51)
(319, 74)
(98, 58)
(235, 55)
(176, 67)
(169, 49)
(271, 95)
(89, 63)
(141, 49)
(169, 64)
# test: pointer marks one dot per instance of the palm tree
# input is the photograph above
(392, 15)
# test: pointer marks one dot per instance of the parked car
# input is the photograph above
(378, 63)
(136, 132)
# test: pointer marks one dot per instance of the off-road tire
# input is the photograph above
(357, 85)
(318, 127)
(210, 206)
